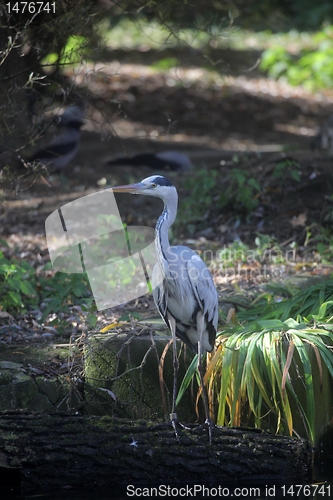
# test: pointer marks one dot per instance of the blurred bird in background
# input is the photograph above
(64, 147)
(165, 160)
(323, 141)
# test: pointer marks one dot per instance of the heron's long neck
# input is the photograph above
(163, 224)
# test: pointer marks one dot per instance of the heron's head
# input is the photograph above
(155, 185)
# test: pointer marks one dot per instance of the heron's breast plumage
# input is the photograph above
(177, 296)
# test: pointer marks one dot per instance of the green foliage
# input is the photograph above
(165, 64)
(61, 291)
(201, 23)
(276, 61)
(17, 285)
(269, 369)
(324, 245)
(287, 167)
(303, 304)
(311, 68)
(306, 14)
(130, 316)
(22, 289)
(319, 240)
(201, 185)
(234, 253)
(269, 365)
(268, 249)
(73, 53)
(328, 217)
(142, 33)
(240, 193)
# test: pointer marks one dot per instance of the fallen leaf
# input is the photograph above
(110, 327)
(300, 220)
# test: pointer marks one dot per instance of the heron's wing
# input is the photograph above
(162, 306)
(159, 292)
(161, 302)
(205, 292)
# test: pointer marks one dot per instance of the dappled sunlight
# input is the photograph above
(196, 105)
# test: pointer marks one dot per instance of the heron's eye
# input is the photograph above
(153, 185)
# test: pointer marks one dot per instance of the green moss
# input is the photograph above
(128, 368)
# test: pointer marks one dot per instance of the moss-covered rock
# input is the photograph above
(19, 390)
(126, 377)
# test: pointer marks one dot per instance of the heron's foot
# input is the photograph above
(174, 418)
(175, 422)
(209, 424)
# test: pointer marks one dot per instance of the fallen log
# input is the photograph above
(41, 452)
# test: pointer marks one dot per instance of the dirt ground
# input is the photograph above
(240, 120)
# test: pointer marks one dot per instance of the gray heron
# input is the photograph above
(186, 297)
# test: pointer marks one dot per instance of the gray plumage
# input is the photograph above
(187, 288)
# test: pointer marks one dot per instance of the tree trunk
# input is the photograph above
(60, 451)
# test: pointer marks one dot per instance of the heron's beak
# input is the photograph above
(129, 188)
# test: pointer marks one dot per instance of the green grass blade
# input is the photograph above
(188, 377)
(309, 412)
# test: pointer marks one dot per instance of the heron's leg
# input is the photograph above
(173, 414)
(200, 329)
(172, 324)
